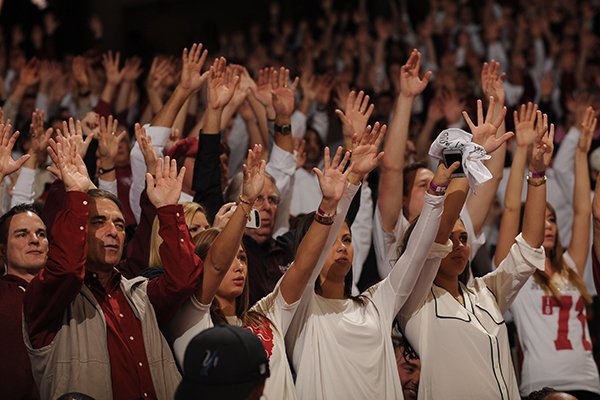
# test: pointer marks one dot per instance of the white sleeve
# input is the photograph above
(386, 243)
(298, 122)
(282, 166)
(362, 230)
(23, 192)
(109, 186)
(320, 123)
(309, 291)
(391, 293)
(159, 136)
(512, 273)
(274, 307)
(424, 281)
(191, 319)
(563, 165)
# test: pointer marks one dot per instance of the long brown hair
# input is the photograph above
(558, 266)
(248, 317)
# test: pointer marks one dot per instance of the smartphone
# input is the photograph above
(254, 221)
(450, 157)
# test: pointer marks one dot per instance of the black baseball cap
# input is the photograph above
(223, 362)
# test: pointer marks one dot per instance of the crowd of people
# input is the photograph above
(282, 217)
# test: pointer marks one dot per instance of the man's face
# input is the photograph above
(27, 244)
(106, 234)
(410, 372)
(312, 147)
(266, 204)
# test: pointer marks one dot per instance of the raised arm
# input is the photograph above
(391, 179)
(333, 183)
(492, 83)
(59, 282)
(226, 245)
(190, 82)
(182, 267)
(284, 104)
(527, 132)
(114, 75)
(580, 238)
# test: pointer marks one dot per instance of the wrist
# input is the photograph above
(354, 178)
(327, 207)
(537, 174)
(283, 120)
(437, 190)
(106, 163)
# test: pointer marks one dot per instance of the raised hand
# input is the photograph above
(525, 127)
(442, 175)
(192, 62)
(108, 141)
(165, 189)
(69, 166)
(132, 69)
(484, 133)
(452, 107)
(90, 124)
(224, 214)
(263, 91)
(333, 178)
(74, 134)
(365, 147)
(541, 153)
(39, 138)
(587, 128)
(111, 65)
(254, 174)
(410, 83)
(79, 71)
(8, 165)
(221, 84)
(492, 81)
(145, 143)
(325, 85)
(30, 74)
(299, 152)
(283, 94)
(356, 113)
(158, 72)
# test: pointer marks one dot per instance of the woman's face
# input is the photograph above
(339, 260)
(456, 261)
(199, 224)
(232, 285)
(549, 230)
(414, 204)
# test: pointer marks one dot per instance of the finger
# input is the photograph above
(468, 120)
(380, 136)
(65, 129)
(21, 161)
(13, 140)
(455, 165)
(502, 139)
(336, 159)
(480, 119)
(72, 129)
(158, 170)
(344, 161)
(490, 111)
(358, 101)
(370, 111)
(500, 119)
(54, 171)
(551, 135)
(173, 171)
(149, 182)
(516, 118)
(364, 104)
(295, 84)
(181, 174)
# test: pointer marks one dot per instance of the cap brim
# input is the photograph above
(195, 391)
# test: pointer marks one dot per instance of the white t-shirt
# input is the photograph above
(554, 336)
(464, 350)
(342, 349)
(194, 318)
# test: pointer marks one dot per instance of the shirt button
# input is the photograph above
(85, 203)
(81, 228)
(121, 315)
(140, 364)
(109, 296)
(177, 214)
(181, 240)
(145, 394)
(94, 275)
(130, 337)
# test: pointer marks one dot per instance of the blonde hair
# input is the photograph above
(189, 209)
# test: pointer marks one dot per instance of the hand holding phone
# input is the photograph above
(450, 157)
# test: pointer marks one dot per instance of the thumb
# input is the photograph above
(22, 160)
(149, 182)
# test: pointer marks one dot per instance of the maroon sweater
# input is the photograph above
(15, 369)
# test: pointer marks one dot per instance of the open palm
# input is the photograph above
(165, 189)
(254, 174)
(192, 63)
(365, 156)
(484, 133)
(333, 178)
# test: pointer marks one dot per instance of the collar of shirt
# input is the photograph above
(93, 283)
(15, 279)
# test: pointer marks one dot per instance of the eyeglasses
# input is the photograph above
(273, 200)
